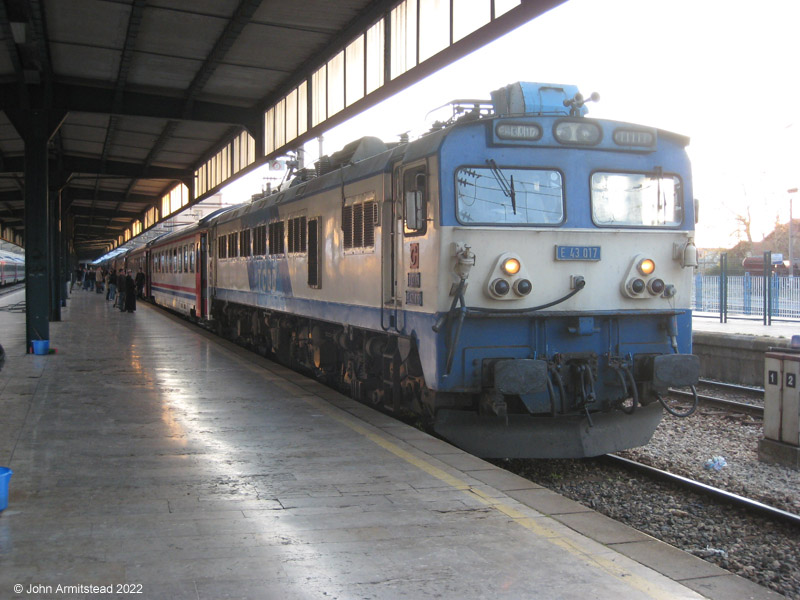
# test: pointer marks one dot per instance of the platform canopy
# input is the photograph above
(153, 105)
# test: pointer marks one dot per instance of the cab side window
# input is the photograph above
(415, 201)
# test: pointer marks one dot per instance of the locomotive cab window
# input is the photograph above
(415, 201)
(636, 200)
(495, 195)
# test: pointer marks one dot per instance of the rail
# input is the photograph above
(721, 495)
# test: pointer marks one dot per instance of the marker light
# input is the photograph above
(646, 266)
(511, 266)
(634, 137)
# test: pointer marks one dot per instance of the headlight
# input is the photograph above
(523, 287)
(500, 287)
(578, 132)
(656, 286)
(511, 266)
(646, 266)
(636, 286)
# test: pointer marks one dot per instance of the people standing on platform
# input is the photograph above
(99, 278)
(130, 293)
(140, 284)
(111, 282)
(76, 277)
(121, 293)
(85, 277)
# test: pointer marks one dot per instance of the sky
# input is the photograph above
(724, 73)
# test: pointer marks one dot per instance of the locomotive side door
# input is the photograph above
(391, 250)
(404, 219)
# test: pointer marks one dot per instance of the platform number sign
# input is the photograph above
(773, 378)
(791, 380)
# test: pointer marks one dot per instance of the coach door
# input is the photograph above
(202, 276)
(148, 275)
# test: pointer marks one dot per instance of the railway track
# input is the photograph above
(752, 506)
(733, 387)
(753, 409)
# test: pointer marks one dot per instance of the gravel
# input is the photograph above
(747, 545)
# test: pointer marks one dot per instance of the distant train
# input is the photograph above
(519, 277)
(12, 267)
(754, 265)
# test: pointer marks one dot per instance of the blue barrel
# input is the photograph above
(5, 478)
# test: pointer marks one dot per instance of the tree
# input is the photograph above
(743, 225)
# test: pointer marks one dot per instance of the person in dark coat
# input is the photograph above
(140, 284)
(130, 293)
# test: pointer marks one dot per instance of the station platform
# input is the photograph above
(710, 323)
(734, 351)
(154, 460)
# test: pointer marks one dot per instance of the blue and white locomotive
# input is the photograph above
(519, 277)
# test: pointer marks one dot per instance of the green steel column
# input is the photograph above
(54, 210)
(37, 282)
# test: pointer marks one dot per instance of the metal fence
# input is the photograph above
(744, 296)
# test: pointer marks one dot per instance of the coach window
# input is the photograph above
(191, 258)
(415, 201)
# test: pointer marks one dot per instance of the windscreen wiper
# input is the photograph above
(508, 189)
